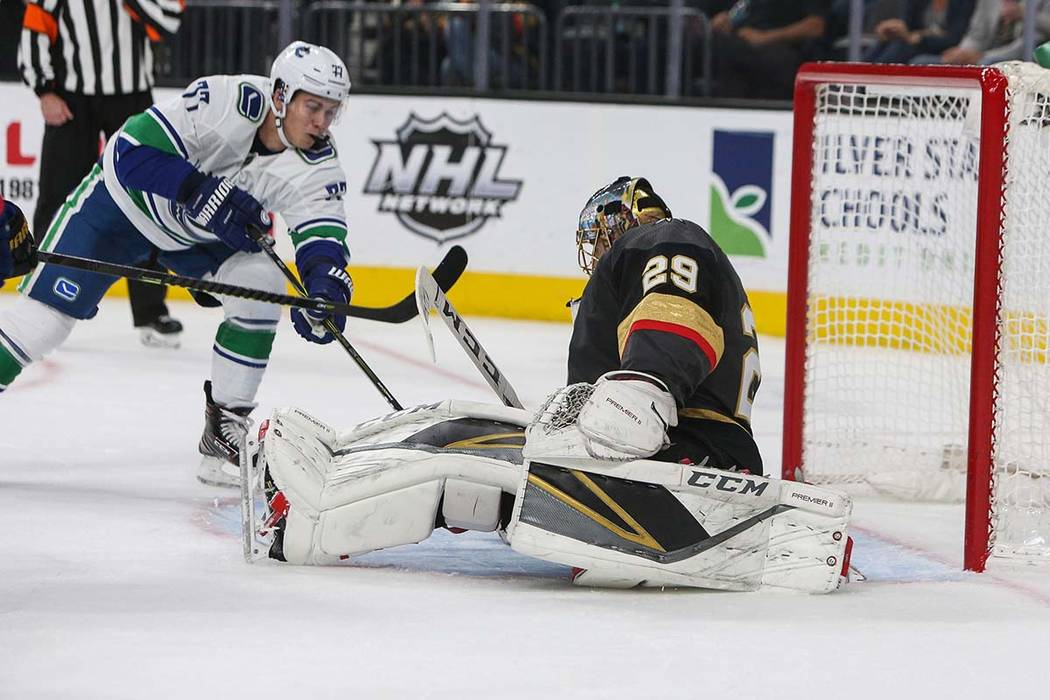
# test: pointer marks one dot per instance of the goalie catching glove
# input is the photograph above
(627, 416)
(322, 267)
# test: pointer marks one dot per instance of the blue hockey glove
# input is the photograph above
(17, 247)
(218, 206)
(322, 269)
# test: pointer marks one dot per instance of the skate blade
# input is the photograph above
(212, 473)
(152, 339)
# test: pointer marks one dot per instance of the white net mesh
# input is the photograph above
(561, 409)
(891, 263)
(1021, 449)
(893, 227)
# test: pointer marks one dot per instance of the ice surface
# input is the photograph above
(122, 577)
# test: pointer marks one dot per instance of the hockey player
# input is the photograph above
(197, 177)
(665, 332)
(663, 363)
(16, 242)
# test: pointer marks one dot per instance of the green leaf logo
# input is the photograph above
(733, 230)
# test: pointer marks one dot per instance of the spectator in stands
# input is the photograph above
(994, 35)
(758, 45)
(519, 71)
(11, 14)
(874, 11)
(710, 7)
(405, 42)
(926, 27)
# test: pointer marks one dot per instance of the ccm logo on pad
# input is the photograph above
(725, 482)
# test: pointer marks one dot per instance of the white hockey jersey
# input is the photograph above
(213, 126)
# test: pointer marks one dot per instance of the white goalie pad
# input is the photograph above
(662, 524)
(334, 495)
(387, 482)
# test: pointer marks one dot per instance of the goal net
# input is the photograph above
(919, 293)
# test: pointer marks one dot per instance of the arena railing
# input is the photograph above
(610, 49)
(630, 50)
(435, 44)
(220, 36)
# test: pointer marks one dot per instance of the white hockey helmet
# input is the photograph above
(314, 69)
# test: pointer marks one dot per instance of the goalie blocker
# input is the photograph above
(456, 464)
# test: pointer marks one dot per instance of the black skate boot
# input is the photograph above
(224, 431)
(161, 332)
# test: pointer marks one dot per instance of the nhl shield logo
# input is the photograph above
(440, 177)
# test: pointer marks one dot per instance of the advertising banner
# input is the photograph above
(507, 179)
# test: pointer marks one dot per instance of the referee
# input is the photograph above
(91, 65)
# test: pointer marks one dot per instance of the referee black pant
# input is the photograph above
(68, 153)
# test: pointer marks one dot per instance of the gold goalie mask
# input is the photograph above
(612, 211)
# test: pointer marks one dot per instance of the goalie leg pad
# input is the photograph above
(405, 516)
(344, 502)
(663, 524)
(471, 506)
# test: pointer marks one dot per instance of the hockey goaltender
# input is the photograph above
(642, 471)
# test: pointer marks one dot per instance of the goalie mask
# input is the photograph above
(613, 210)
(313, 69)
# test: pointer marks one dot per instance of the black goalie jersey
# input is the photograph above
(665, 300)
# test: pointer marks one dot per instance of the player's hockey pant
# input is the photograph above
(91, 225)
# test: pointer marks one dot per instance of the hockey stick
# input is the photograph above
(266, 243)
(199, 285)
(248, 530)
(447, 273)
(430, 296)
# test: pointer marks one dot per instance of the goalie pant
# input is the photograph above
(459, 464)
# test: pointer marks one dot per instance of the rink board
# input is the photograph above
(506, 179)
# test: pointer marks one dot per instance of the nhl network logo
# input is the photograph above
(441, 177)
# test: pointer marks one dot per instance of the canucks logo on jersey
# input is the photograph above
(741, 191)
(441, 177)
(67, 289)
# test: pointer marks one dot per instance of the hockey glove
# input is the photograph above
(218, 206)
(627, 416)
(322, 269)
(17, 247)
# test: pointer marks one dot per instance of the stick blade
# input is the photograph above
(424, 282)
(447, 273)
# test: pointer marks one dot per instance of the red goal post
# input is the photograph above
(917, 330)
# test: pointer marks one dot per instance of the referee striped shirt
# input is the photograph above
(94, 47)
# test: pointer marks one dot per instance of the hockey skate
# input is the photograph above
(162, 332)
(225, 428)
